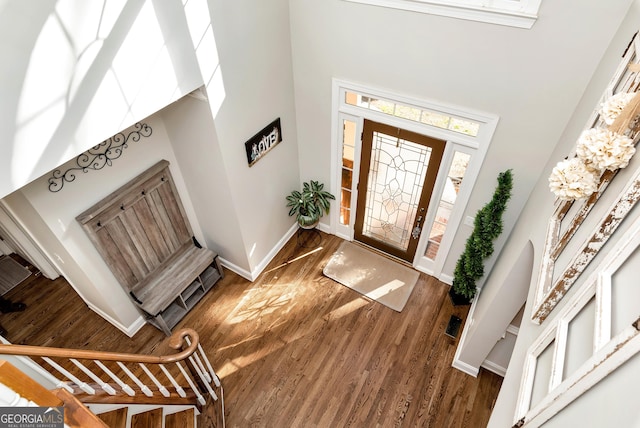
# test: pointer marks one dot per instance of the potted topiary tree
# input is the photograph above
(479, 246)
(309, 204)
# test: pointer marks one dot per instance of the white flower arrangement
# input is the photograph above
(571, 179)
(614, 105)
(602, 149)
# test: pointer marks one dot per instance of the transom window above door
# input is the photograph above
(416, 114)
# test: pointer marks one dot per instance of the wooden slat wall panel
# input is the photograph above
(174, 210)
(126, 194)
(152, 229)
(127, 247)
(116, 261)
(139, 237)
(124, 200)
(164, 223)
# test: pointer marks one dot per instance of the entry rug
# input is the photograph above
(372, 275)
(12, 273)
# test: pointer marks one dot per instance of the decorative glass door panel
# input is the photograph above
(397, 174)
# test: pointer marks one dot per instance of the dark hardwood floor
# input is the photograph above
(294, 348)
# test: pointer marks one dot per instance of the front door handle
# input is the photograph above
(415, 233)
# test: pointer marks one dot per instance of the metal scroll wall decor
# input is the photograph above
(98, 156)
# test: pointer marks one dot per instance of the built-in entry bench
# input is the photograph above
(143, 234)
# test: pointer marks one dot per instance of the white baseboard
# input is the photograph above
(423, 270)
(495, 368)
(129, 331)
(457, 363)
(447, 279)
(235, 268)
(321, 227)
(513, 329)
(465, 368)
(251, 276)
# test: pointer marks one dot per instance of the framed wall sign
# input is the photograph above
(265, 140)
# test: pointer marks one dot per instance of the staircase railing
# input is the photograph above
(95, 374)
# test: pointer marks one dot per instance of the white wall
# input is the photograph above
(498, 359)
(485, 324)
(611, 402)
(532, 79)
(253, 43)
(75, 72)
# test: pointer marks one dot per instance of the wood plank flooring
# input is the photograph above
(294, 348)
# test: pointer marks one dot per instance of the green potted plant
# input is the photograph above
(479, 246)
(309, 204)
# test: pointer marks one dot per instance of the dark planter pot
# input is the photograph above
(309, 226)
(458, 299)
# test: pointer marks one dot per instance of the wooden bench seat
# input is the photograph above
(159, 289)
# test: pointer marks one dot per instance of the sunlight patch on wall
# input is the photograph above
(108, 98)
(50, 67)
(197, 13)
(61, 58)
(201, 31)
(86, 59)
(215, 89)
(140, 47)
(41, 105)
(28, 142)
(158, 86)
(129, 89)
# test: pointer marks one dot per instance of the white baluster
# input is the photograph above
(83, 386)
(126, 388)
(144, 388)
(204, 371)
(202, 376)
(197, 357)
(216, 380)
(161, 387)
(105, 386)
(201, 399)
(10, 398)
(64, 385)
(178, 388)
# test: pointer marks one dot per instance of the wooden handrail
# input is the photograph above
(130, 378)
(175, 342)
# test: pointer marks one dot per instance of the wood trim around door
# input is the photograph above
(437, 152)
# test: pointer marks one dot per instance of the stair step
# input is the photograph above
(115, 418)
(150, 419)
(184, 419)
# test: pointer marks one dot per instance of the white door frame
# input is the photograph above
(20, 241)
(476, 146)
